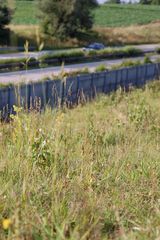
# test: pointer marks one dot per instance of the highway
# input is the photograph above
(146, 48)
(39, 74)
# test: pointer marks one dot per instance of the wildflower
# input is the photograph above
(6, 223)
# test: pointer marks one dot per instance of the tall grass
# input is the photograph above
(87, 173)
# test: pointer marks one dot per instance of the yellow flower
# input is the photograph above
(6, 223)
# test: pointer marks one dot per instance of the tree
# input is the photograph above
(5, 14)
(65, 18)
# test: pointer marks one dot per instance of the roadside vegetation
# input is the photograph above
(87, 173)
(69, 56)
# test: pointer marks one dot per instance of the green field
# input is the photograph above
(106, 15)
(125, 15)
(25, 13)
(90, 173)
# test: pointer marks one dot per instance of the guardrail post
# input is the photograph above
(137, 80)
(62, 93)
(46, 92)
(145, 75)
(104, 82)
(120, 83)
(29, 96)
(127, 80)
(9, 100)
(115, 84)
(92, 85)
(77, 91)
(157, 71)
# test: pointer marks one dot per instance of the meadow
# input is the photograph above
(91, 172)
(107, 15)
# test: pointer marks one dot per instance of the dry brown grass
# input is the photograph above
(33, 34)
(149, 33)
(25, 30)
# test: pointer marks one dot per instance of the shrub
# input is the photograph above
(101, 68)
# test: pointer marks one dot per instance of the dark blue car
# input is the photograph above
(94, 46)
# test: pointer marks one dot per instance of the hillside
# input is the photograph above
(107, 15)
(86, 173)
(115, 15)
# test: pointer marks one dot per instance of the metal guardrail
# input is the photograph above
(74, 89)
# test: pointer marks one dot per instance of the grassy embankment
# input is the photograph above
(88, 173)
(114, 23)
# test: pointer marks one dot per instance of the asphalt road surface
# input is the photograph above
(39, 74)
(145, 48)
